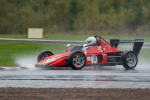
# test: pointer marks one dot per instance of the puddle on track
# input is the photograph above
(91, 76)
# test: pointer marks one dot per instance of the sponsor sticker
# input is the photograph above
(88, 58)
(99, 48)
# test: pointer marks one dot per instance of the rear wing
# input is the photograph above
(138, 43)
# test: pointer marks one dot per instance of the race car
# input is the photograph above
(95, 51)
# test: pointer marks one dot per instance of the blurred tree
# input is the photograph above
(74, 15)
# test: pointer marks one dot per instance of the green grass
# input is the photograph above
(8, 51)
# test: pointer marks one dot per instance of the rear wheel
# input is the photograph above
(129, 59)
(43, 55)
(77, 60)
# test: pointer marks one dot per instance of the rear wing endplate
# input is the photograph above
(138, 43)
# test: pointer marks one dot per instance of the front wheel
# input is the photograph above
(129, 59)
(43, 55)
(77, 60)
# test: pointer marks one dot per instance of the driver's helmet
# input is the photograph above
(91, 41)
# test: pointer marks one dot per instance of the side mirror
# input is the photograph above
(84, 48)
(68, 47)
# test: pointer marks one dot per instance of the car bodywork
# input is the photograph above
(103, 53)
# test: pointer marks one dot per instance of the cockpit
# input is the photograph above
(93, 41)
(90, 41)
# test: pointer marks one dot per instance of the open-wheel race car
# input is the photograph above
(95, 51)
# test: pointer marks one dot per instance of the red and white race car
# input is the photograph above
(96, 51)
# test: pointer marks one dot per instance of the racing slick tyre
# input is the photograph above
(43, 55)
(77, 60)
(129, 59)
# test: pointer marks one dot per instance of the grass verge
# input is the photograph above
(8, 51)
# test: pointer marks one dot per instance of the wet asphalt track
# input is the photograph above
(88, 77)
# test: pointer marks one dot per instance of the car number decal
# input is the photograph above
(94, 59)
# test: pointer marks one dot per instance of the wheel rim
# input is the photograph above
(78, 60)
(131, 59)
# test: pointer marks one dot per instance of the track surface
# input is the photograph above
(88, 77)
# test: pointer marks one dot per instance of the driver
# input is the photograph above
(91, 41)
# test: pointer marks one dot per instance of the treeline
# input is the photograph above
(78, 16)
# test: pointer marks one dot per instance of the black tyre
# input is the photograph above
(43, 55)
(77, 60)
(129, 59)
